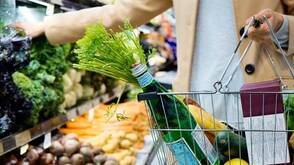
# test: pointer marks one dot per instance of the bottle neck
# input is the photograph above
(145, 79)
(142, 74)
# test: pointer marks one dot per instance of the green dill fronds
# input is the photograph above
(110, 54)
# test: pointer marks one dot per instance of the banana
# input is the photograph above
(205, 120)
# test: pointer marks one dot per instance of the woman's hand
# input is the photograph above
(261, 34)
(33, 30)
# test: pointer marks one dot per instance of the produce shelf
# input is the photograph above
(19, 139)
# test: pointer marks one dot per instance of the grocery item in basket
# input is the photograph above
(206, 121)
(231, 145)
(113, 55)
(172, 114)
(236, 161)
(263, 111)
(289, 111)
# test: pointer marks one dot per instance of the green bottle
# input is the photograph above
(171, 114)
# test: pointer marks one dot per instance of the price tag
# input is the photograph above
(22, 138)
(71, 114)
(23, 149)
(95, 102)
(47, 141)
(84, 108)
(58, 2)
(105, 98)
(1, 148)
(91, 114)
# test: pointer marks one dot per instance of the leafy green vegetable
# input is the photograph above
(33, 90)
(47, 60)
(110, 54)
(41, 81)
(289, 111)
(2, 26)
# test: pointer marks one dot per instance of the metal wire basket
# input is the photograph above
(259, 117)
(260, 132)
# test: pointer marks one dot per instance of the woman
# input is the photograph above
(207, 33)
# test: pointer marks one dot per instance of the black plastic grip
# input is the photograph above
(256, 24)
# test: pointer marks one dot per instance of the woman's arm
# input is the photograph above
(289, 10)
(70, 26)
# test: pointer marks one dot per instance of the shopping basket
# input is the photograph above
(259, 117)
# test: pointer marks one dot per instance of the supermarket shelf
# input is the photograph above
(17, 140)
(56, 2)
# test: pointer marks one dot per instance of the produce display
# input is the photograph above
(37, 82)
(72, 87)
(82, 85)
(41, 81)
(31, 74)
(67, 150)
(118, 129)
(14, 55)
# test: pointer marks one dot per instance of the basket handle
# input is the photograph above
(256, 23)
(276, 41)
(243, 32)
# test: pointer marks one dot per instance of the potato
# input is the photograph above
(47, 158)
(111, 158)
(71, 136)
(109, 148)
(132, 150)
(118, 156)
(132, 137)
(114, 141)
(87, 153)
(97, 151)
(111, 162)
(98, 142)
(56, 148)
(32, 156)
(39, 150)
(77, 159)
(100, 159)
(125, 143)
(12, 160)
(71, 146)
(86, 144)
(63, 160)
(120, 134)
(23, 162)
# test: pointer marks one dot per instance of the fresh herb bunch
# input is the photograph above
(110, 54)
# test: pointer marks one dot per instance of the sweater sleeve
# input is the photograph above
(70, 26)
(289, 13)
